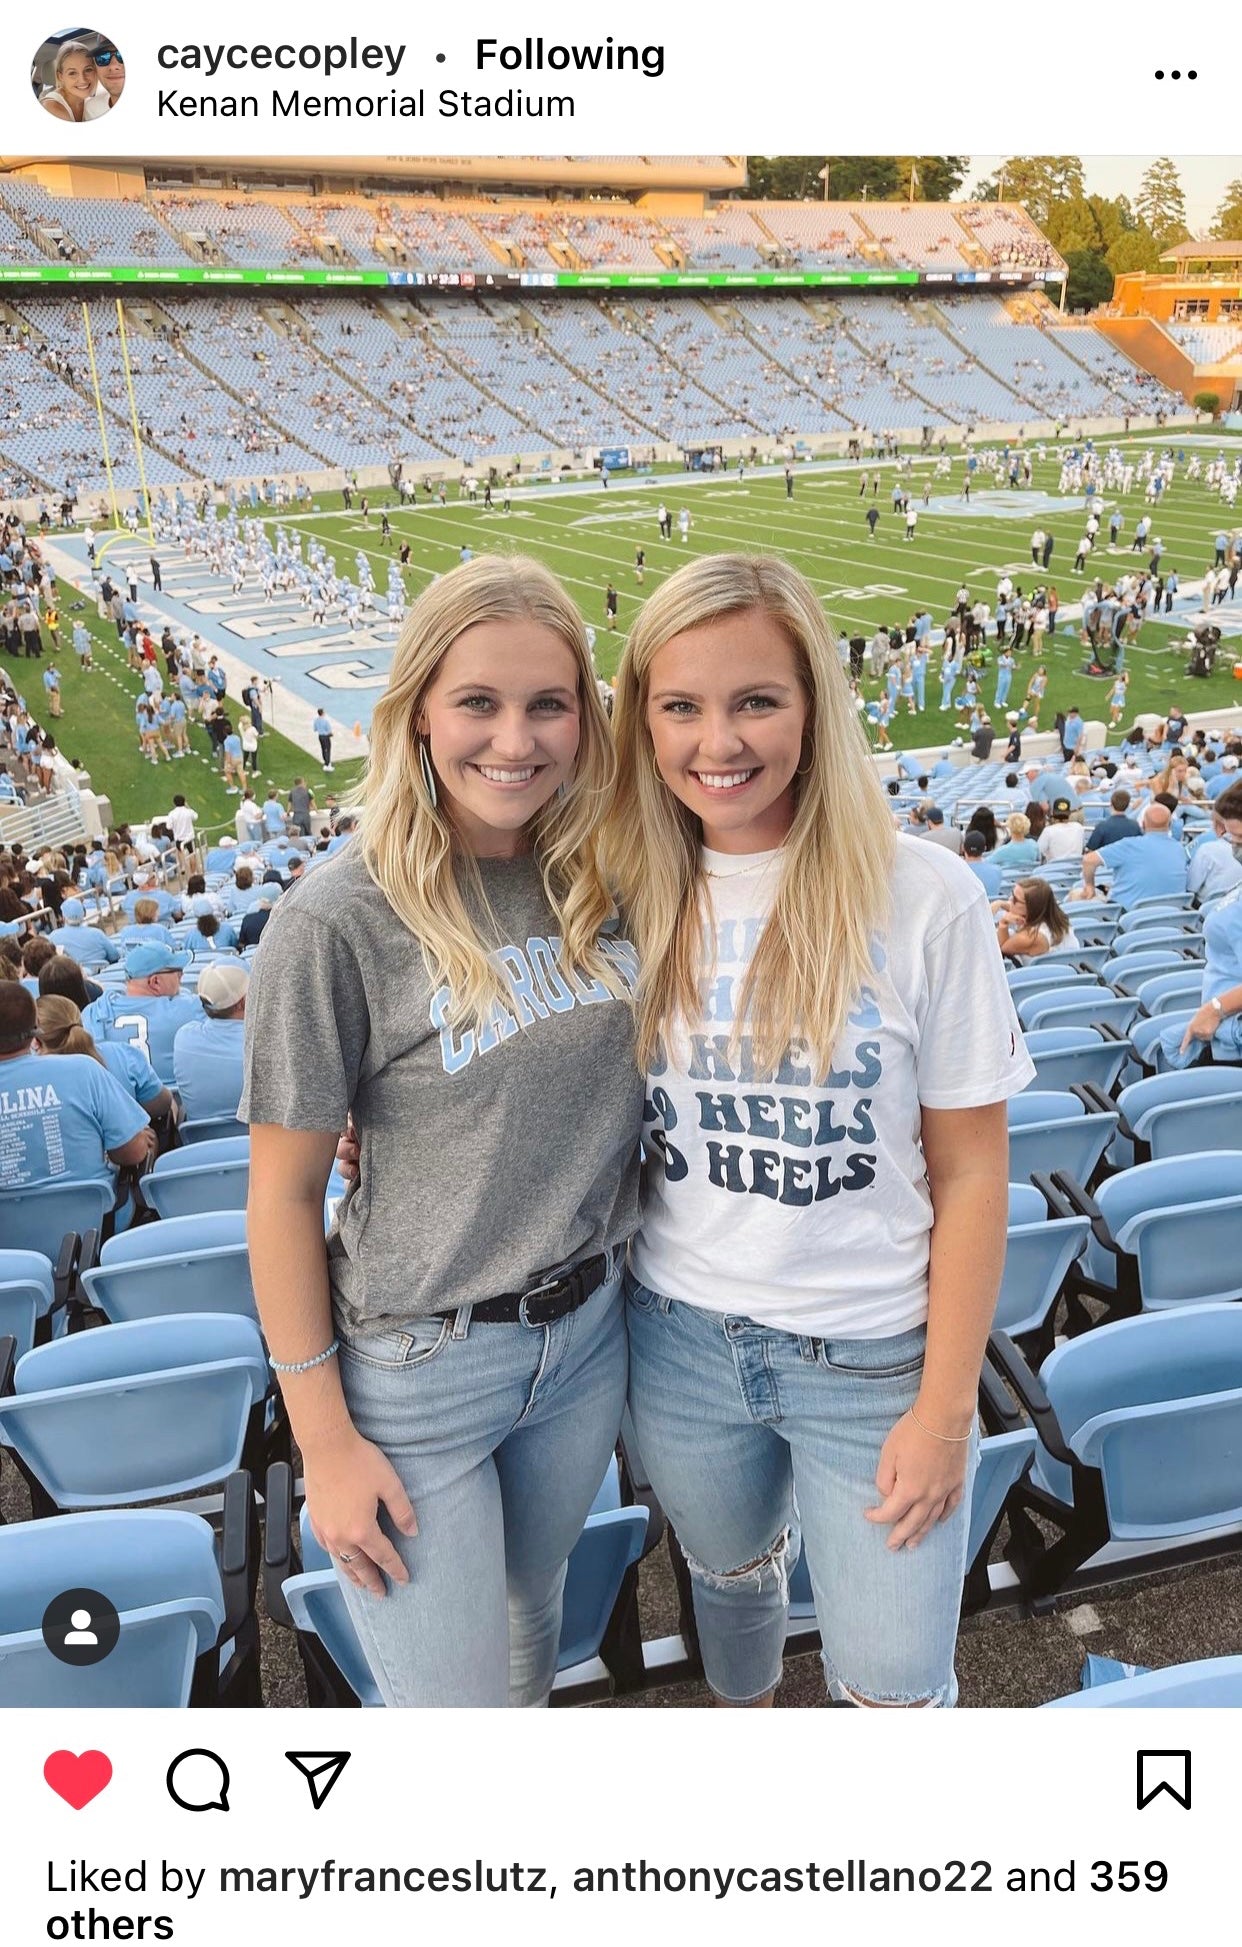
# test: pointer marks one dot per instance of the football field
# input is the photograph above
(588, 535)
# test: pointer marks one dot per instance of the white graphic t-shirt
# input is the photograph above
(805, 1205)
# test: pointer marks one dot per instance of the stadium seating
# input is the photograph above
(1063, 1056)
(189, 1263)
(1138, 1424)
(208, 1176)
(1163, 1234)
(138, 1412)
(32, 1309)
(185, 1600)
(1067, 1130)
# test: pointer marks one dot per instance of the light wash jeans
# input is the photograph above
(501, 1435)
(749, 1435)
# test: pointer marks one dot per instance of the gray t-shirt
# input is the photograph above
(487, 1157)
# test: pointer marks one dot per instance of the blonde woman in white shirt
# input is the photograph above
(829, 1043)
(78, 94)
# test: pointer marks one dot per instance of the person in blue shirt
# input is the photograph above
(62, 1120)
(151, 1009)
(1004, 678)
(85, 944)
(167, 905)
(60, 1032)
(1071, 731)
(209, 1054)
(1116, 825)
(975, 853)
(1220, 779)
(1141, 867)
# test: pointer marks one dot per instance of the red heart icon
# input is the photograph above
(78, 1776)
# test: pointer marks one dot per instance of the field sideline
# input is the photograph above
(589, 537)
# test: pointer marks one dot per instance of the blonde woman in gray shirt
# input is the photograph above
(454, 1357)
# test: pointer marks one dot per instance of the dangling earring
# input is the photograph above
(429, 776)
(805, 770)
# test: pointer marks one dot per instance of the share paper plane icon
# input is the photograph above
(321, 1769)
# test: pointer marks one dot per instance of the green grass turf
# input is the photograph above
(98, 729)
(822, 531)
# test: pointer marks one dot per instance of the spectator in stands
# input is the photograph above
(465, 812)
(36, 952)
(62, 975)
(257, 914)
(66, 1121)
(145, 925)
(60, 1032)
(939, 833)
(854, 923)
(1062, 837)
(1118, 823)
(1140, 867)
(1217, 1022)
(975, 853)
(87, 944)
(1019, 847)
(150, 1010)
(1212, 868)
(78, 95)
(208, 1055)
(1030, 923)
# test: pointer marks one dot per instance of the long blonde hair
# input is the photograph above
(410, 849)
(60, 1030)
(816, 949)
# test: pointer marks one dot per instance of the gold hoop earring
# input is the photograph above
(805, 770)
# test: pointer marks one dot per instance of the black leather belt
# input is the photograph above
(543, 1304)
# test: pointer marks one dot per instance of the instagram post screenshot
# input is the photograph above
(620, 976)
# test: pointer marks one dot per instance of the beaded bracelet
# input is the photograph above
(306, 1365)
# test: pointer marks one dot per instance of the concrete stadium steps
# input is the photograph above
(817, 311)
(294, 325)
(860, 345)
(584, 378)
(443, 351)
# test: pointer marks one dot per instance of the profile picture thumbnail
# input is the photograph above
(78, 75)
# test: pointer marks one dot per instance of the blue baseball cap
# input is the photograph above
(152, 958)
(72, 909)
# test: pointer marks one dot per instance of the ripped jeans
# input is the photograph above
(751, 1435)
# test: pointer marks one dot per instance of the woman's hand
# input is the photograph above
(1202, 1025)
(349, 1153)
(922, 1480)
(347, 1482)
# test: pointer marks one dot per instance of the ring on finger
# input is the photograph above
(347, 1558)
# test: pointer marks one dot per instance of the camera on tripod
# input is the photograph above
(1204, 646)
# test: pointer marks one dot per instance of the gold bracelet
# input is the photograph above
(950, 1439)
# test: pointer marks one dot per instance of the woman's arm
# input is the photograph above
(922, 1470)
(347, 1479)
(1203, 1024)
(1028, 941)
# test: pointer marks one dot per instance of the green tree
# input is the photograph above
(1161, 202)
(1227, 223)
(1090, 281)
(1207, 402)
(1038, 182)
(1135, 249)
(854, 178)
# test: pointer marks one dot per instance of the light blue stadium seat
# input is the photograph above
(1158, 915)
(1159, 901)
(27, 1299)
(1153, 1405)
(1047, 1129)
(1078, 1006)
(207, 1176)
(137, 1412)
(1039, 1250)
(38, 1220)
(213, 1128)
(1127, 972)
(1178, 1113)
(1164, 1234)
(187, 1628)
(1215, 1683)
(182, 1264)
(610, 1543)
(1172, 992)
(1063, 1056)
(1039, 978)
